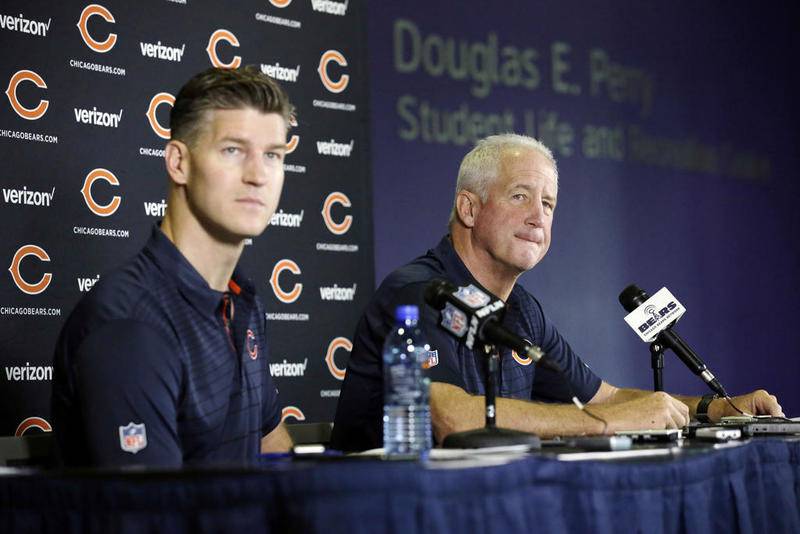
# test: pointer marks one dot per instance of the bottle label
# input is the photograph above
(403, 384)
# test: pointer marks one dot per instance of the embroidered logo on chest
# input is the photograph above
(522, 360)
(252, 346)
(132, 437)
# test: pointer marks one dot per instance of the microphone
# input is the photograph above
(632, 298)
(470, 314)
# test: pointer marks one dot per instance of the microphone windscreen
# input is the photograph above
(632, 297)
(436, 291)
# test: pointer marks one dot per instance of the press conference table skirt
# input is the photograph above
(751, 488)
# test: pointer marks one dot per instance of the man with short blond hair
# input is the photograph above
(500, 228)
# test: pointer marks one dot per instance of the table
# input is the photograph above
(754, 487)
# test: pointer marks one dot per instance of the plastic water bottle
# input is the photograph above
(406, 410)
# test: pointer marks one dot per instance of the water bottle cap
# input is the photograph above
(406, 313)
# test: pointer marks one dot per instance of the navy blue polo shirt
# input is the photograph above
(154, 367)
(358, 422)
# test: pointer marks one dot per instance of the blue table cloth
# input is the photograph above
(751, 488)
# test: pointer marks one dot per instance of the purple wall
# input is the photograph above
(700, 200)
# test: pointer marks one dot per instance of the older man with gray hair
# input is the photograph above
(500, 227)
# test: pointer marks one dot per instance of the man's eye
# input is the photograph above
(519, 196)
(273, 155)
(231, 149)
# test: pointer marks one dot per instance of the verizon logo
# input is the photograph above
(332, 148)
(28, 373)
(284, 74)
(159, 51)
(23, 25)
(155, 209)
(330, 7)
(98, 118)
(291, 220)
(28, 198)
(285, 368)
(338, 293)
(86, 284)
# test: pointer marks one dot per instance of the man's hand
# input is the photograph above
(278, 440)
(653, 411)
(758, 402)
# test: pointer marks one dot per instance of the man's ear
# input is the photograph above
(176, 158)
(467, 206)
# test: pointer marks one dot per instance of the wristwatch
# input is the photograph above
(701, 414)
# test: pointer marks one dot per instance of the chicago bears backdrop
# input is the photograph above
(83, 124)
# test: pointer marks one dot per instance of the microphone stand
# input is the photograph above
(657, 363)
(490, 435)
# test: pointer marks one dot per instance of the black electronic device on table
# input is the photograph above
(600, 443)
(651, 436)
(762, 426)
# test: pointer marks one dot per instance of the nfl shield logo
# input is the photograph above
(472, 296)
(454, 320)
(133, 437)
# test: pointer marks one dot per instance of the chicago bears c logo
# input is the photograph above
(294, 412)
(294, 293)
(25, 286)
(30, 114)
(157, 100)
(335, 344)
(291, 146)
(337, 197)
(211, 49)
(98, 46)
(32, 422)
(322, 69)
(251, 345)
(295, 139)
(103, 210)
(519, 359)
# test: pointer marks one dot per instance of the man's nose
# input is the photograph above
(255, 171)
(536, 213)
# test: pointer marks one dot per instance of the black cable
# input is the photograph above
(730, 401)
